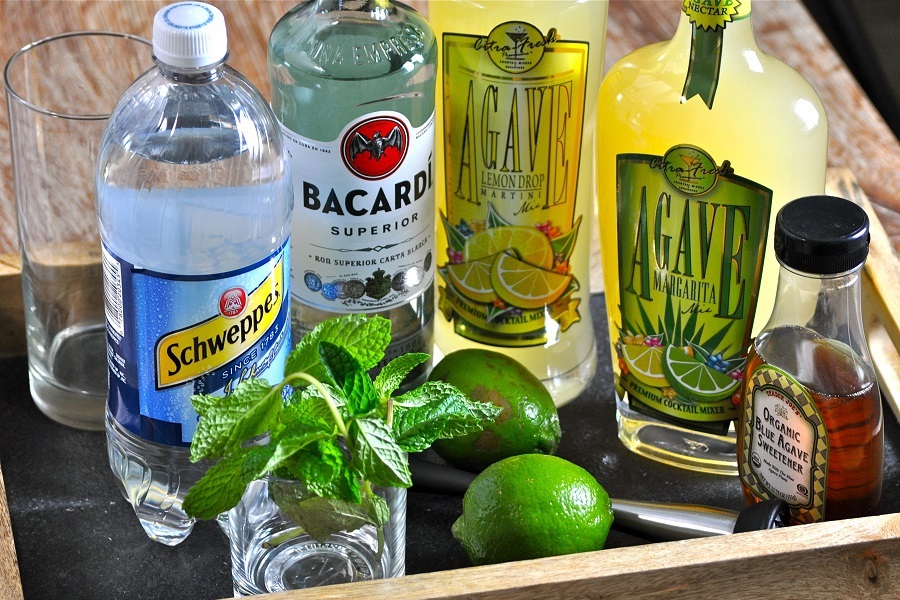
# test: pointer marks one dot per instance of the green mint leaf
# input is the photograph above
(307, 405)
(319, 517)
(360, 393)
(339, 362)
(377, 455)
(219, 490)
(393, 373)
(230, 420)
(379, 511)
(256, 460)
(325, 470)
(366, 337)
(349, 375)
(288, 447)
(437, 410)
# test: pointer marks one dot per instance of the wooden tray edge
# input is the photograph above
(833, 560)
(10, 582)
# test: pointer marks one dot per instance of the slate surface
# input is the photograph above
(76, 537)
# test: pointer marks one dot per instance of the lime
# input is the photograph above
(523, 285)
(473, 279)
(532, 506)
(645, 363)
(529, 244)
(694, 379)
(528, 422)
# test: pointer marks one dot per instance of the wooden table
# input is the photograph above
(859, 141)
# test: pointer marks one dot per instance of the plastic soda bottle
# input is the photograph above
(194, 201)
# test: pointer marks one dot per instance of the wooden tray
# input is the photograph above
(836, 560)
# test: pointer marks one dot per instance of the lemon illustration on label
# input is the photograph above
(529, 244)
(645, 363)
(524, 285)
(473, 278)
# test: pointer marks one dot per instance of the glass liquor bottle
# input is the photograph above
(811, 428)
(517, 186)
(353, 88)
(701, 139)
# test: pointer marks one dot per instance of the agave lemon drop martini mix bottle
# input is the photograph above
(701, 139)
(517, 118)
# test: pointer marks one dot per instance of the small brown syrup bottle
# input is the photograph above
(810, 423)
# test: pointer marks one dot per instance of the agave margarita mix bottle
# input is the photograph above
(517, 122)
(701, 139)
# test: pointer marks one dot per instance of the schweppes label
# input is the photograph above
(241, 320)
(172, 336)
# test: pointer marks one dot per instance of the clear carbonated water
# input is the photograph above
(190, 184)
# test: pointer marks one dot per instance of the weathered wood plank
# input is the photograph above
(858, 558)
(10, 585)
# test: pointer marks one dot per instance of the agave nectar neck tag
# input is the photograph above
(363, 227)
(709, 18)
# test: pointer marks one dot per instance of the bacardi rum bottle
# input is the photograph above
(353, 88)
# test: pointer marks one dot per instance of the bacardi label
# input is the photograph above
(363, 226)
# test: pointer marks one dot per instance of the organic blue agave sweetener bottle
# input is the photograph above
(194, 200)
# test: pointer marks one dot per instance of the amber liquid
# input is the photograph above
(846, 393)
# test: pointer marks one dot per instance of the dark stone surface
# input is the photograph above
(76, 537)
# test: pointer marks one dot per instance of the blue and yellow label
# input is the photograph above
(189, 353)
(173, 336)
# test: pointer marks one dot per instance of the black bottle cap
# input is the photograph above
(823, 235)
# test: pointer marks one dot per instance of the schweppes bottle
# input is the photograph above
(194, 200)
(701, 139)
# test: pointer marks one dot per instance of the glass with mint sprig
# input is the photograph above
(328, 425)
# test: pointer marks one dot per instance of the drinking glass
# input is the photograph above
(60, 91)
(271, 553)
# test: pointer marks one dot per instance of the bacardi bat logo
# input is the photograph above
(375, 148)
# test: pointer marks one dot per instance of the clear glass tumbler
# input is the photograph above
(60, 91)
(271, 553)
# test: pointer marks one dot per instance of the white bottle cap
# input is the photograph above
(189, 34)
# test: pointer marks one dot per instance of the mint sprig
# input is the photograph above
(328, 425)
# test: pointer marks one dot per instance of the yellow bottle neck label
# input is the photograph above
(715, 15)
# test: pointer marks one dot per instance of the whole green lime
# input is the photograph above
(532, 506)
(528, 422)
